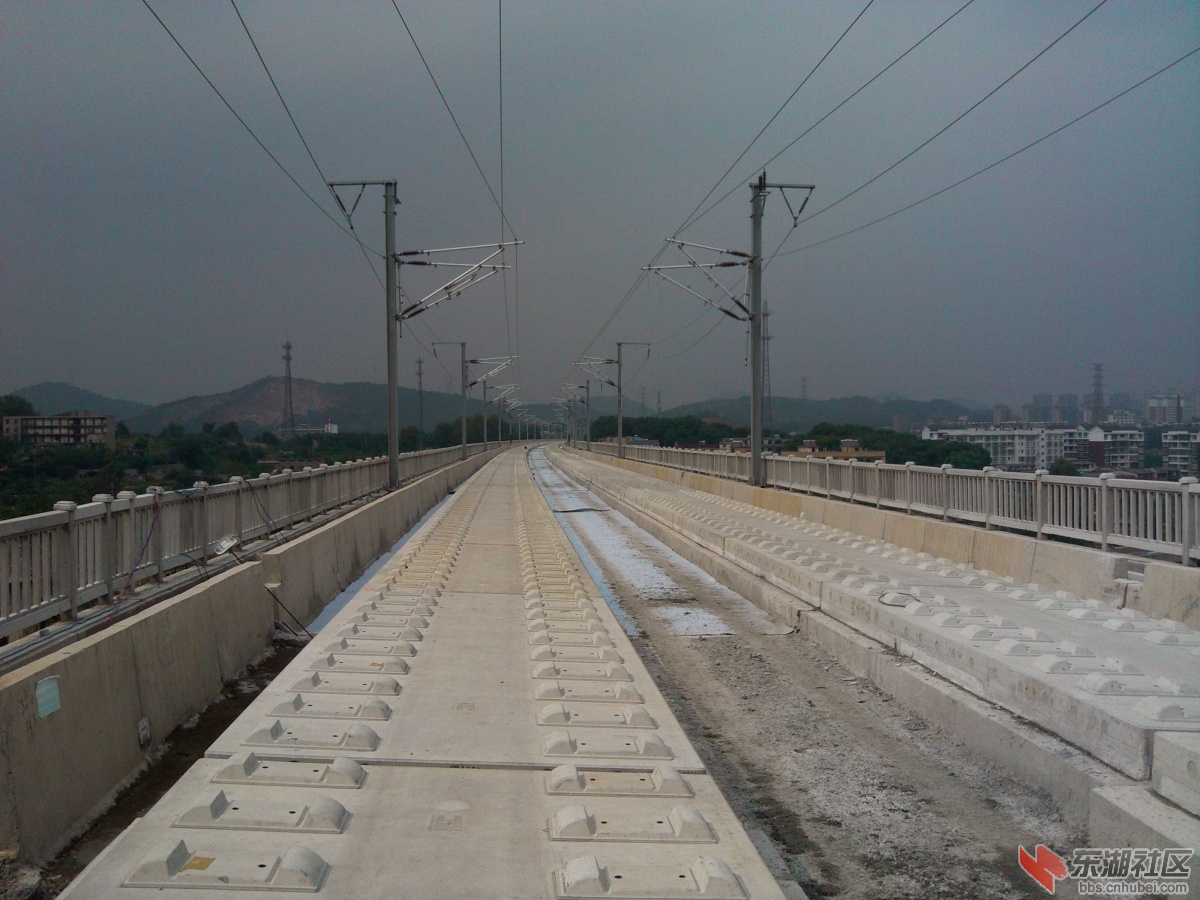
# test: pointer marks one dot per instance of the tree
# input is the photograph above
(1063, 466)
(229, 432)
(902, 447)
(12, 405)
(122, 430)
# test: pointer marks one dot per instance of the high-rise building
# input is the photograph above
(1095, 411)
(1175, 406)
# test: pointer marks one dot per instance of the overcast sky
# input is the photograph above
(151, 250)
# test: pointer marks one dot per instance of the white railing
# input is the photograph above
(1157, 516)
(58, 562)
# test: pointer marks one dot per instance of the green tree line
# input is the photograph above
(34, 478)
(900, 446)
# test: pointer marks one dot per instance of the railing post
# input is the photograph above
(828, 477)
(202, 531)
(853, 479)
(156, 531)
(68, 571)
(131, 548)
(987, 497)
(878, 485)
(308, 493)
(908, 486)
(946, 467)
(289, 502)
(108, 549)
(238, 524)
(1187, 526)
(1106, 508)
(1040, 500)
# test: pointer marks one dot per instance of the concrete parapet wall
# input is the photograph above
(1008, 555)
(313, 569)
(167, 663)
(164, 664)
(1170, 592)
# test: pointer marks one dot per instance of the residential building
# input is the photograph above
(771, 444)
(1119, 416)
(1172, 407)
(1020, 449)
(74, 428)
(1181, 453)
(1116, 448)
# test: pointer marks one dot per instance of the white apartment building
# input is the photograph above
(1181, 452)
(1116, 448)
(1020, 449)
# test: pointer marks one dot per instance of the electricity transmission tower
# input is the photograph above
(289, 414)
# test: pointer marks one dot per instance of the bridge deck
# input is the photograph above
(1107, 680)
(473, 723)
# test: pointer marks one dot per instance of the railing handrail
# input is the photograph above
(1157, 516)
(55, 562)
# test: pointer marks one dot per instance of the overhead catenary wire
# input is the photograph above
(300, 134)
(453, 118)
(693, 344)
(250, 130)
(974, 106)
(775, 116)
(862, 87)
(657, 256)
(998, 162)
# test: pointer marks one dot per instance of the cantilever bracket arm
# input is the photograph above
(589, 365)
(472, 274)
(504, 365)
(706, 300)
(499, 246)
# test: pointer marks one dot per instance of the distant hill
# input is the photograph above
(601, 406)
(362, 406)
(52, 397)
(791, 414)
(258, 407)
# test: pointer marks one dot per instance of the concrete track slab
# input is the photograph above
(453, 833)
(472, 694)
